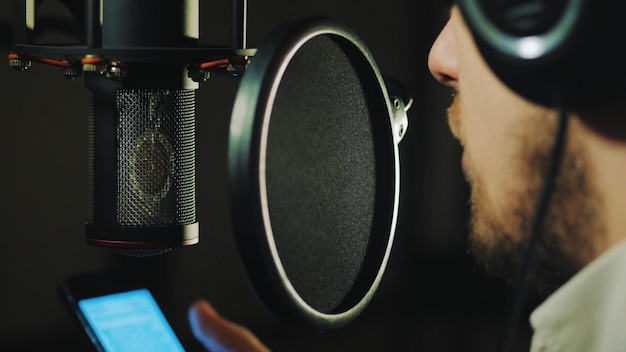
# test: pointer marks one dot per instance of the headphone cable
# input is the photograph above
(521, 284)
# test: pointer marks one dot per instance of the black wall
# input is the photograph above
(432, 297)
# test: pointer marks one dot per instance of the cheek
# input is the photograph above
(497, 127)
(492, 137)
(505, 140)
(492, 117)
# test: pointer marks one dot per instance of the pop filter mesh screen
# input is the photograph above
(320, 173)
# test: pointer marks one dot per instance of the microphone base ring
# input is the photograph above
(142, 237)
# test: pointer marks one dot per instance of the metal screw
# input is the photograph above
(116, 72)
(236, 69)
(97, 68)
(199, 76)
(19, 64)
(71, 72)
(396, 103)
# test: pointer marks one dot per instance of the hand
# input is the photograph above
(218, 334)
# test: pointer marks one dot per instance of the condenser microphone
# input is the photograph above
(141, 138)
(142, 63)
(141, 160)
(141, 142)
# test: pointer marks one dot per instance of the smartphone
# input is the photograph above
(119, 312)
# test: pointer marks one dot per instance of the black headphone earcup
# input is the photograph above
(552, 52)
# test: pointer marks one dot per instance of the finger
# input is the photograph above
(218, 334)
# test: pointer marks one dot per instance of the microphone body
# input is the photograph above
(141, 139)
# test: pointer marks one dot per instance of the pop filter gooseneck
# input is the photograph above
(314, 173)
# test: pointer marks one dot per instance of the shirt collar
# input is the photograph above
(587, 312)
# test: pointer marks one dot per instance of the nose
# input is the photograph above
(442, 59)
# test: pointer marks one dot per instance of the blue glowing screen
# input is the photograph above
(129, 321)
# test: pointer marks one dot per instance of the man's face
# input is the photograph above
(507, 141)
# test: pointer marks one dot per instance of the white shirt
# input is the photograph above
(587, 313)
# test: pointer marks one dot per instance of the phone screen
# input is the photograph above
(129, 321)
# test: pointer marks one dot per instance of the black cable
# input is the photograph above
(521, 284)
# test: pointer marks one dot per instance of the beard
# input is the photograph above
(498, 242)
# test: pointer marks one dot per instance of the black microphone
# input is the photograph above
(142, 62)
(141, 141)
(141, 165)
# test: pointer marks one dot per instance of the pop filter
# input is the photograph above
(314, 173)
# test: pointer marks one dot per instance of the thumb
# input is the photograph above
(218, 334)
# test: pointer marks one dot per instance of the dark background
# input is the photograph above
(432, 297)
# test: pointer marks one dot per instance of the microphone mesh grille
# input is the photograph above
(155, 157)
(90, 159)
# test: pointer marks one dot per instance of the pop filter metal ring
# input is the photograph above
(247, 156)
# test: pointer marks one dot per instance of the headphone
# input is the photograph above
(557, 53)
